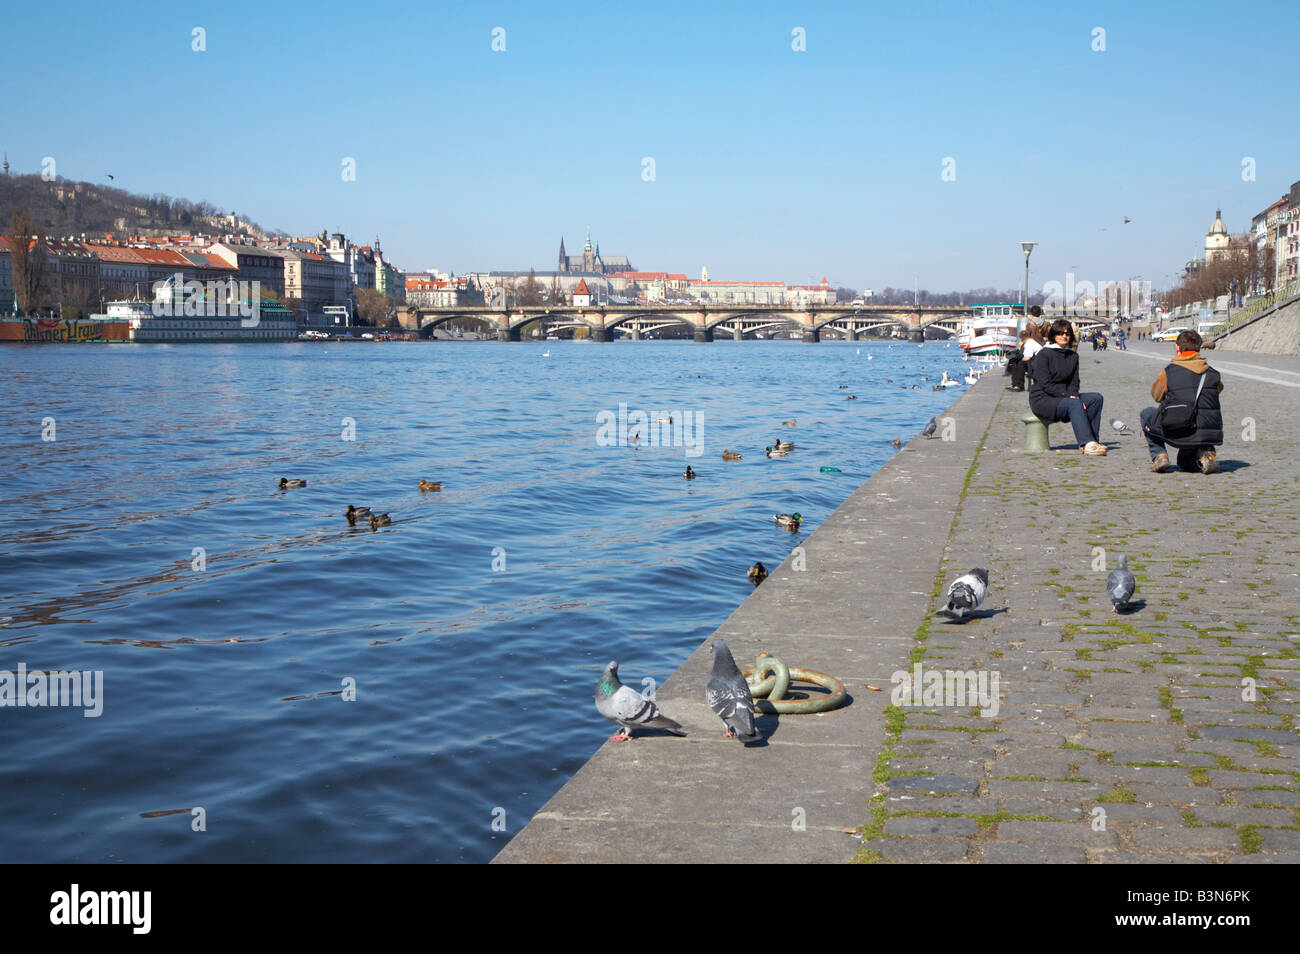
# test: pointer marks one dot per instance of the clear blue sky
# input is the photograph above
(770, 163)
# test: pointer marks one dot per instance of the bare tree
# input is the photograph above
(27, 263)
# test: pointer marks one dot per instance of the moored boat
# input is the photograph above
(991, 329)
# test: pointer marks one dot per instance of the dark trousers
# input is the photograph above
(1018, 374)
(1085, 421)
(1156, 441)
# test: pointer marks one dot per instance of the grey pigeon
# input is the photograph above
(631, 710)
(1120, 584)
(1120, 427)
(965, 593)
(729, 697)
(931, 427)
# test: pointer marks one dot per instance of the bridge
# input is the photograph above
(705, 321)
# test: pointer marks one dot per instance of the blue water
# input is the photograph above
(474, 684)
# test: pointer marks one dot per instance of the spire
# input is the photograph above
(587, 247)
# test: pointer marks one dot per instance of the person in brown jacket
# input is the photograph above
(1190, 385)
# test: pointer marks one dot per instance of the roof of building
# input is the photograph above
(581, 288)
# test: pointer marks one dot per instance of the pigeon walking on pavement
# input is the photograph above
(1120, 584)
(728, 695)
(1120, 427)
(965, 593)
(627, 707)
(930, 428)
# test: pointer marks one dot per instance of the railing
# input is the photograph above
(1257, 305)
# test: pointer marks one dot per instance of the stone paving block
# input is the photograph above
(1126, 775)
(1132, 813)
(1184, 795)
(1287, 797)
(1242, 815)
(968, 768)
(1189, 759)
(918, 850)
(939, 784)
(1130, 730)
(1061, 791)
(1142, 858)
(1269, 859)
(1220, 778)
(1063, 811)
(1056, 833)
(931, 827)
(1263, 735)
(1279, 840)
(955, 804)
(1014, 853)
(1186, 839)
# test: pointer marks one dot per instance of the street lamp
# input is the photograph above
(1027, 247)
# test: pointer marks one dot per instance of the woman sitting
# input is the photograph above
(1054, 394)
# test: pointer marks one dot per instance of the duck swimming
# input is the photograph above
(789, 423)
(897, 442)
(430, 486)
(789, 521)
(776, 453)
(757, 573)
(783, 445)
(690, 474)
(378, 520)
(357, 513)
(285, 483)
(730, 455)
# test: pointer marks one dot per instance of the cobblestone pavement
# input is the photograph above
(1165, 734)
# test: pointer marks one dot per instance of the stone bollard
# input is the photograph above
(1035, 432)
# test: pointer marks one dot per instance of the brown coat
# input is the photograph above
(1191, 361)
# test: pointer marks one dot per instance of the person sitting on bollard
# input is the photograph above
(1054, 395)
(1188, 416)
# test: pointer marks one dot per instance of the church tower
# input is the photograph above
(564, 261)
(588, 256)
(1216, 240)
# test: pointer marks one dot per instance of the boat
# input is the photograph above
(990, 329)
(170, 319)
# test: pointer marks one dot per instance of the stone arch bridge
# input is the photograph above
(704, 321)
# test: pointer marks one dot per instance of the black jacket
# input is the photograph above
(1182, 385)
(1056, 375)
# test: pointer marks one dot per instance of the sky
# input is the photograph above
(903, 143)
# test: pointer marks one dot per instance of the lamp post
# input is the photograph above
(1027, 247)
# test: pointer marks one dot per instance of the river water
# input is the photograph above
(280, 686)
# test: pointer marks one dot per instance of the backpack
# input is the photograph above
(1176, 420)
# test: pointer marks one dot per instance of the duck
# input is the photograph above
(789, 521)
(757, 573)
(897, 442)
(664, 420)
(937, 387)
(783, 445)
(776, 453)
(286, 483)
(850, 397)
(357, 513)
(730, 455)
(378, 520)
(844, 387)
(916, 387)
(790, 423)
(430, 486)
(690, 474)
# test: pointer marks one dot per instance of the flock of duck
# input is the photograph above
(365, 514)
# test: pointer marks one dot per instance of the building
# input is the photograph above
(800, 295)
(1288, 239)
(1217, 240)
(737, 293)
(591, 261)
(75, 284)
(441, 293)
(581, 295)
(253, 263)
(317, 281)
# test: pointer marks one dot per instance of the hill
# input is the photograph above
(64, 207)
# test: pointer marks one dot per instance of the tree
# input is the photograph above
(372, 306)
(529, 292)
(27, 259)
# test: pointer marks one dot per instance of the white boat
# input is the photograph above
(274, 323)
(991, 329)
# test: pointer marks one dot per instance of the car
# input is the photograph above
(1169, 334)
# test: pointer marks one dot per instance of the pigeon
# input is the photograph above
(965, 593)
(757, 573)
(631, 710)
(930, 428)
(1120, 584)
(729, 697)
(1120, 427)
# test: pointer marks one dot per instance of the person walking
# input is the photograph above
(1188, 417)
(1055, 395)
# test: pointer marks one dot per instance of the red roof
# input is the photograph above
(582, 287)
